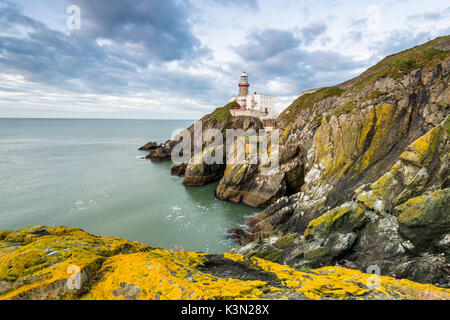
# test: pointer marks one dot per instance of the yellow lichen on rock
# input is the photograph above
(421, 151)
(165, 275)
(41, 256)
(348, 213)
(341, 283)
(35, 262)
(384, 117)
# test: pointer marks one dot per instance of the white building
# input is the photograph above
(255, 105)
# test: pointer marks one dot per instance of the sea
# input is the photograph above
(89, 174)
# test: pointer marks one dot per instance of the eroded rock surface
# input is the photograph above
(376, 148)
(39, 262)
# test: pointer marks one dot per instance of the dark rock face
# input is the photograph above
(160, 154)
(245, 183)
(200, 170)
(149, 146)
(370, 182)
(163, 152)
(240, 236)
(179, 170)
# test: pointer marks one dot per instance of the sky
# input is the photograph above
(175, 59)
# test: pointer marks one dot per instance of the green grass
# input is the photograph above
(346, 108)
(395, 66)
(400, 64)
(308, 101)
(224, 112)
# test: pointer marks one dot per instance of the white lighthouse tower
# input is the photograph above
(254, 105)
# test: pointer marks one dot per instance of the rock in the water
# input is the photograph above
(179, 170)
(149, 146)
(240, 236)
(202, 169)
(160, 154)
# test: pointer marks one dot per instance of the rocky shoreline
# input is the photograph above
(364, 173)
(47, 263)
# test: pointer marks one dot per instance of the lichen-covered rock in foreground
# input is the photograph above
(38, 262)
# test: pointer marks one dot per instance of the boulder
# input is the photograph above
(149, 146)
(425, 220)
(202, 169)
(179, 170)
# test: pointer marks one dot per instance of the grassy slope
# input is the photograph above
(394, 66)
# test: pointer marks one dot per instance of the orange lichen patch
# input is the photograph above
(166, 275)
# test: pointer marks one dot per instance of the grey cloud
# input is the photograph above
(253, 4)
(160, 26)
(431, 15)
(77, 63)
(312, 32)
(268, 43)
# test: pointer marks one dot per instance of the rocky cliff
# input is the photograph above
(372, 158)
(62, 263)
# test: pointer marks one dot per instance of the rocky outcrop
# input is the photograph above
(375, 150)
(60, 263)
(163, 152)
(202, 169)
(149, 146)
(179, 170)
(244, 183)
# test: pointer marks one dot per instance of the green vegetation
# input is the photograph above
(307, 101)
(397, 65)
(224, 112)
(346, 108)
(447, 125)
(394, 66)
(374, 95)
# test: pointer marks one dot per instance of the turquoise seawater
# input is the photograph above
(89, 174)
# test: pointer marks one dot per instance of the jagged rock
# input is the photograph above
(115, 269)
(245, 182)
(160, 154)
(425, 220)
(240, 236)
(149, 146)
(202, 169)
(376, 142)
(179, 170)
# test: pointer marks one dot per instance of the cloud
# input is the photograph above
(252, 4)
(159, 26)
(431, 15)
(268, 43)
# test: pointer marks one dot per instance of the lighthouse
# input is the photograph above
(243, 85)
(256, 105)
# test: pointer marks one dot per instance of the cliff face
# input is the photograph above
(42, 263)
(375, 184)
